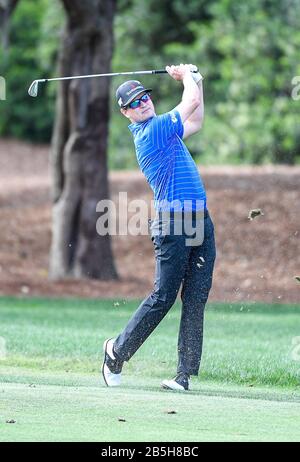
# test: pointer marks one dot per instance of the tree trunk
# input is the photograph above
(79, 144)
(6, 9)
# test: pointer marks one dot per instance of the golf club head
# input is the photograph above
(33, 89)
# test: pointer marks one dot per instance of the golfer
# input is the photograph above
(183, 259)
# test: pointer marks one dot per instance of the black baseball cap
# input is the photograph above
(128, 91)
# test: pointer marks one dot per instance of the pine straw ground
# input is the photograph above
(256, 260)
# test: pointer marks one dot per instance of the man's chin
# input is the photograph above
(147, 115)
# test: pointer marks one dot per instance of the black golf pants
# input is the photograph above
(176, 264)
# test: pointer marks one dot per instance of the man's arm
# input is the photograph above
(191, 96)
(194, 122)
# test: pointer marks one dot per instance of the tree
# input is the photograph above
(79, 143)
(6, 9)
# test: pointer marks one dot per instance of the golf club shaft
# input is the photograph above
(112, 74)
(33, 89)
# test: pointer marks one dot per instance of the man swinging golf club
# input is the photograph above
(179, 191)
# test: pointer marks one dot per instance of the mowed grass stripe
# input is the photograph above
(57, 413)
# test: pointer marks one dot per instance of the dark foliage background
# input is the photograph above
(248, 53)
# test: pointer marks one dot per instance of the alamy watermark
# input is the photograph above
(296, 90)
(2, 348)
(296, 349)
(2, 88)
(132, 218)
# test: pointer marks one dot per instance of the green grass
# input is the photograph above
(90, 413)
(252, 346)
(248, 388)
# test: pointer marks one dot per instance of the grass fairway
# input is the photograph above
(248, 388)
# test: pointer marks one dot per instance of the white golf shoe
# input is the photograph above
(112, 367)
(178, 383)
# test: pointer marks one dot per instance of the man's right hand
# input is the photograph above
(178, 72)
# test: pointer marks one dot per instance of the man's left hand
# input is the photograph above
(195, 73)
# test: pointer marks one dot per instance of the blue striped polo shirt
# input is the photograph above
(167, 164)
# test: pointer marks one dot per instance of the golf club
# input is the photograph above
(33, 89)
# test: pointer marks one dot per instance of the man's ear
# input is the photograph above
(124, 112)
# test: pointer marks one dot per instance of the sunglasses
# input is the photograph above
(137, 102)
